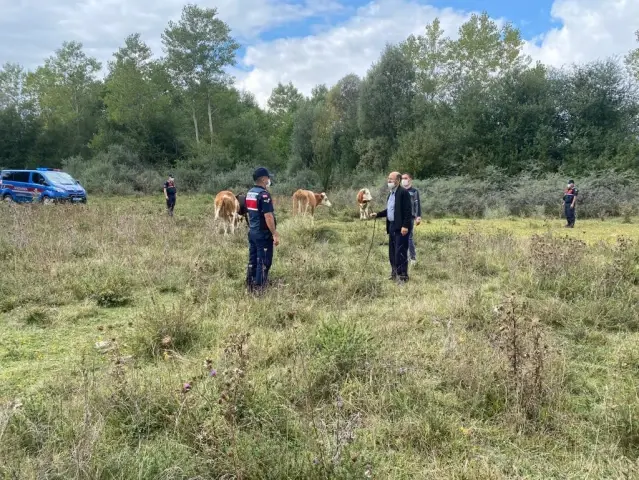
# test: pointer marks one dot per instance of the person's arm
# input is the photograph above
(166, 195)
(381, 214)
(406, 204)
(574, 199)
(418, 220)
(270, 223)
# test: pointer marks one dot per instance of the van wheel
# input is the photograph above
(47, 201)
(7, 199)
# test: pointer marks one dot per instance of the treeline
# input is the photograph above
(430, 105)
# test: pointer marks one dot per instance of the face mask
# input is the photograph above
(405, 183)
(391, 185)
(268, 183)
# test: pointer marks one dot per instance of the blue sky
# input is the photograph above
(315, 41)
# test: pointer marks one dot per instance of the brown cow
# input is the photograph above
(364, 198)
(226, 209)
(303, 200)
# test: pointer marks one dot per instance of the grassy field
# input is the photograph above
(129, 348)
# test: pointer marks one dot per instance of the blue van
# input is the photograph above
(45, 185)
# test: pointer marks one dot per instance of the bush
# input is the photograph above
(164, 330)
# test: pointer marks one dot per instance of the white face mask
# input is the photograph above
(405, 183)
(268, 183)
(391, 185)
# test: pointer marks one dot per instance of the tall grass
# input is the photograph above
(131, 350)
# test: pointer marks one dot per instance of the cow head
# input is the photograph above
(324, 200)
(365, 195)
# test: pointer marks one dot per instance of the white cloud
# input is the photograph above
(347, 48)
(590, 30)
(31, 30)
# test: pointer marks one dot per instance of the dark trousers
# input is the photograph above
(398, 254)
(570, 215)
(170, 205)
(260, 260)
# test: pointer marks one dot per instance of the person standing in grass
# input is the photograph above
(170, 193)
(570, 198)
(263, 233)
(407, 183)
(399, 223)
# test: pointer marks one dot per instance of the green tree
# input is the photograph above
(199, 46)
(324, 142)
(67, 96)
(139, 102)
(12, 78)
(301, 138)
(428, 54)
(282, 104)
(385, 106)
(632, 59)
(344, 99)
(482, 50)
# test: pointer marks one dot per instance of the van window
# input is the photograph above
(6, 176)
(19, 177)
(38, 178)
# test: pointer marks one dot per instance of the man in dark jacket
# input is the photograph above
(407, 183)
(399, 223)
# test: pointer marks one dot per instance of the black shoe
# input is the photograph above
(403, 279)
(393, 277)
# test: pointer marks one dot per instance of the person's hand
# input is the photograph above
(373, 215)
(404, 231)
(572, 206)
(418, 220)
(276, 239)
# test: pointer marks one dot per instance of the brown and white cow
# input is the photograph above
(364, 198)
(226, 210)
(305, 200)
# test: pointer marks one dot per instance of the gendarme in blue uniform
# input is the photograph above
(258, 202)
(569, 196)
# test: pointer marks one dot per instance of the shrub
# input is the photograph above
(163, 330)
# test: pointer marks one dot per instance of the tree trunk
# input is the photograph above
(210, 120)
(197, 135)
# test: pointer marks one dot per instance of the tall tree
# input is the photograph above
(282, 104)
(344, 98)
(482, 50)
(385, 105)
(12, 77)
(428, 54)
(301, 137)
(324, 142)
(66, 93)
(632, 59)
(138, 100)
(198, 47)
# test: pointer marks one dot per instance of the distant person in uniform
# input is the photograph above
(263, 233)
(407, 183)
(170, 193)
(570, 198)
(399, 224)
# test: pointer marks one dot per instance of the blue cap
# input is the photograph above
(260, 172)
